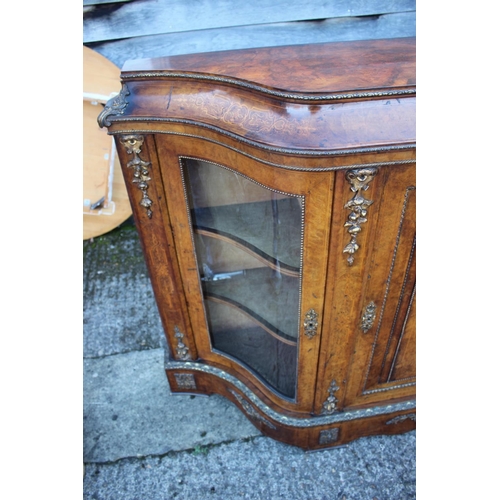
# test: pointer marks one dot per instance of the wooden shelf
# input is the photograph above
(273, 361)
(269, 234)
(255, 294)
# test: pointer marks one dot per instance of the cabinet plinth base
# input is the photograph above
(309, 433)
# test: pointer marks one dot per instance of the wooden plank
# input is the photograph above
(244, 37)
(101, 2)
(151, 17)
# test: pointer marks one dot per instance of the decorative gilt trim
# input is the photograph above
(182, 349)
(391, 388)
(316, 421)
(133, 144)
(407, 315)
(185, 381)
(259, 145)
(311, 323)
(328, 436)
(359, 180)
(278, 93)
(115, 106)
(368, 317)
(250, 410)
(330, 405)
(401, 418)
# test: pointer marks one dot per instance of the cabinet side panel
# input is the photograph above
(157, 243)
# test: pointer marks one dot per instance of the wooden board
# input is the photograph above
(152, 17)
(99, 2)
(102, 176)
(262, 35)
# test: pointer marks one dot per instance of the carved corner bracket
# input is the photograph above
(330, 405)
(182, 349)
(359, 180)
(133, 145)
(115, 106)
(311, 323)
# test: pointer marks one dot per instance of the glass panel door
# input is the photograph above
(248, 243)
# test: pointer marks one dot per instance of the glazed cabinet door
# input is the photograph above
(252, 245)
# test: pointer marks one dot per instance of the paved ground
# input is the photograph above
(143, 443)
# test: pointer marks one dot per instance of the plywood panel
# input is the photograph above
(150, 17)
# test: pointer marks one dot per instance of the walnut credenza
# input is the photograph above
(274, 194)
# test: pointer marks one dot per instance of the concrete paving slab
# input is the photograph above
(129, 411)
(120, 312)
(374, 468)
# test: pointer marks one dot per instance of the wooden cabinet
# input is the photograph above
(274, 193)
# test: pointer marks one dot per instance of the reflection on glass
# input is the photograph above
(248, 242)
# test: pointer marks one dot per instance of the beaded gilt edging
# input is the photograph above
(402, 418)
(403, 329)
(286, 167)
(290, 421)
(250, 410)
(259, 145)
(273, 92)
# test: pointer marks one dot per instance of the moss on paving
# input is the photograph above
(114, 253)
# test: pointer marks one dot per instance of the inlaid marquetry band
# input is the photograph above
(359, 180)
(133, 144)
(315, 421)
(274, 92)
(115, 106)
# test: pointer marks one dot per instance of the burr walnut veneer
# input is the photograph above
(274, 193)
